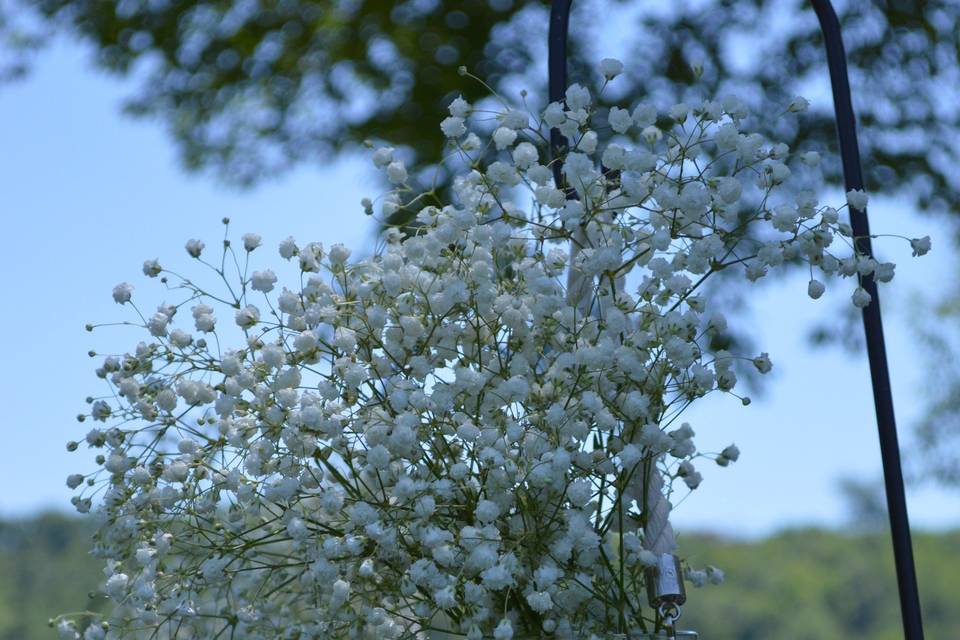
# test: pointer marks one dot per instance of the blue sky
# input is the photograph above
(87, 194)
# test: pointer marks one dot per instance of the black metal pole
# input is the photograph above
(873, 328)
(557, 73)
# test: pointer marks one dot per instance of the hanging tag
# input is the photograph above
(665, 582)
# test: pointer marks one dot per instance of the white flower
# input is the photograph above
(339, 254)
(730, 454)
(729, 189)
(810, 158)
(339, 594)
(288, 248)
(383, 157)
(251, 241)
(884, 271)
(651, 134)
(445, 598)
(525, 155)
(516, 119)
(487, 511)
(715, 575)
(798, 104)
(540, 601)
(247, 317)
(503, 137)
(397, 172)
(453, 127)
(152, 268)
(920, 246)
(194, 248)
(122, 293)
(644, 115)
(180, 338)
(620, 120)
(614, 157)
(116, 586)
(691, 477)
(577, 97)
(857, 199)
(861, 298)
(66, 630)
(679, 112)
(610, 68)
(648, 558)
(554, 115)
(504, 630)
(762, 363)
(157, 324)
(263, 281)
(815, 289)
(459, 108)
(588, 142)
(75, 480)
(580, 493)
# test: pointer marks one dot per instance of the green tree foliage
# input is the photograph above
(820, 585)
(46, 569)
(250, 87)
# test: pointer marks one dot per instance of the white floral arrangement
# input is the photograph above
(476, 430)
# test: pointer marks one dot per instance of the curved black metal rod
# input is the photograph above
(873, 329)
(872, 321)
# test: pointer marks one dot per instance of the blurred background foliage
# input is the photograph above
(249, 87)
(795, 585)
(46, 570)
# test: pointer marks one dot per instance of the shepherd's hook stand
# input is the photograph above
(872, 322)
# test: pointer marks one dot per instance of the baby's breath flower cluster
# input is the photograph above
(469, 431)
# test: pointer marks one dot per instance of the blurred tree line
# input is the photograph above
(250, 88)
(45, 570)
(795, 585)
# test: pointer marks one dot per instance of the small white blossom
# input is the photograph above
(194, 248)
(857, 199)
(122, 293)
(503, 137)
(397, 172)
(453, 127)
(288, 248)
(459, 108)
(248, 316)
(251, 241)
(620, 120)
(152, 268)
(920, 246)
(798, 104)
(610, 68)
(651, 134)
(339, 254)
(263, 280)
(525, 155)
(815, 289)
(861, 298)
